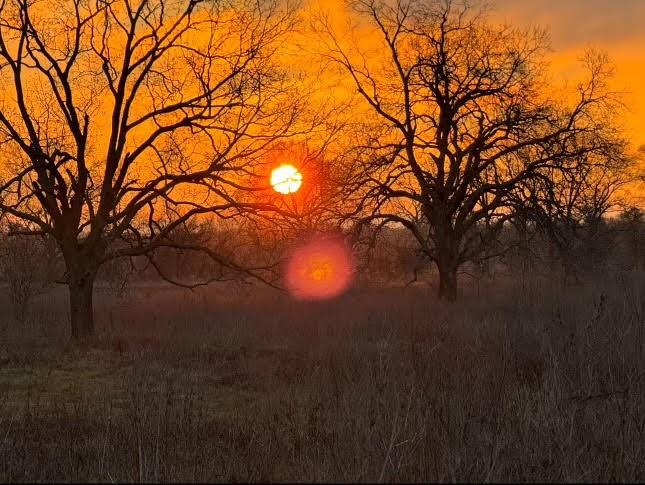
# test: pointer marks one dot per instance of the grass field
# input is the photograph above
(532, 383)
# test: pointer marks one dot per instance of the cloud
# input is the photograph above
(579, 22)
(616, 26)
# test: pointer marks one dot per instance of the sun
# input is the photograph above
(286, 179)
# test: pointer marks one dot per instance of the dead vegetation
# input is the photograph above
(540, 383)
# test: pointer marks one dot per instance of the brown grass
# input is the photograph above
(540, 384)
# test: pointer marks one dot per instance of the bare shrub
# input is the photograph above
(27, 267)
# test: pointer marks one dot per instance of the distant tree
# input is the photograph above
(27, 267)
(121, 120)
(631, 223)
(462, 115)
(569, 205)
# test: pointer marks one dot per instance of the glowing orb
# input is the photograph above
(286, 179)
(319, 270)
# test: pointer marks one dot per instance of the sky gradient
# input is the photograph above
(615, 26)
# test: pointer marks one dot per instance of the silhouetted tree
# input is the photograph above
(462, 116)
(631, 224)
(568, 205)
(120, 120)
(28, 267)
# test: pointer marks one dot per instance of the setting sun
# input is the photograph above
(286, 179)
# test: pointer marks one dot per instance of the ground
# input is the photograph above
(532, 382)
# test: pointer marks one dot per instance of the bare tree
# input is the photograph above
(28, 268)
(568, 205)
(631, 224)
(462, 115)
(120, 120)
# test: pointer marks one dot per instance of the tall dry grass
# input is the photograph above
(514, 383)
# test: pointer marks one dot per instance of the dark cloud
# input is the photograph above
(575, 22)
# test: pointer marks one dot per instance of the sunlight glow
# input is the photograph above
(320, 269)
(286, 179)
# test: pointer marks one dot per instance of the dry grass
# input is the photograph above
(539, 384)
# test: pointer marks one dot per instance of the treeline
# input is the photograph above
(568, 253)
(31, 265)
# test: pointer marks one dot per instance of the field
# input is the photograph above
(533, 382)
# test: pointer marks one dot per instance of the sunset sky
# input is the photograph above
(616, 26)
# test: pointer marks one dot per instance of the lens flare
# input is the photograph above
(319, 270)
(286, 179)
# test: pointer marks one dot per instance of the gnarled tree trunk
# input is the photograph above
(447, 261)
(81, 275)
(81, 307)
(447, 283)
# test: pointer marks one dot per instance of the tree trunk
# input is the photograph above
(81, 307)
(447, 281)
(448, 243)
(81, 273)
(81, 268)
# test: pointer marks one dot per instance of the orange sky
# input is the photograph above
(615, 26)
